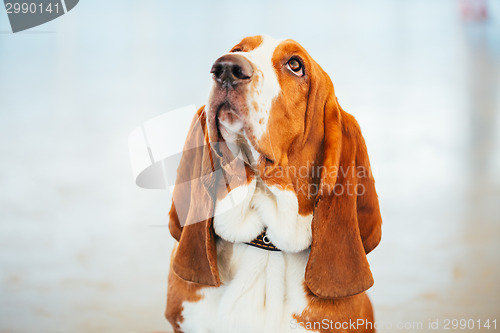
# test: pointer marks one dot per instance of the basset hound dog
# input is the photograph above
(274, 207)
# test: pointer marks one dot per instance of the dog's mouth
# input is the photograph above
(228, 121)
(232, 128)
(229, 114)
(230, 125)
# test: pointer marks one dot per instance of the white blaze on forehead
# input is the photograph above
(267, 87)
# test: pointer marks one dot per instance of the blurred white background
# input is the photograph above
(82, 249)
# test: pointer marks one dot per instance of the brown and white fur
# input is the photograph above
(270, 151)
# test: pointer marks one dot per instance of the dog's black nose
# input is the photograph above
(231, 70)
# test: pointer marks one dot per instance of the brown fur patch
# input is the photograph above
(338, 313)
(179, 291)
(248, 44)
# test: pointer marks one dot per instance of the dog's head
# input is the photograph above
(271, 102)
(264, 96)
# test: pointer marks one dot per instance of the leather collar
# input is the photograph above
(263, 242)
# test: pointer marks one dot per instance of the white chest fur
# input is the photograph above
(261, 290)
(260, 293)
(247, 210)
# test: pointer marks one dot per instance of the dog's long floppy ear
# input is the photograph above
(191, 214)
(346, 224)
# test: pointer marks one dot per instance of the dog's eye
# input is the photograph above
(236, 50)
(296, 66)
